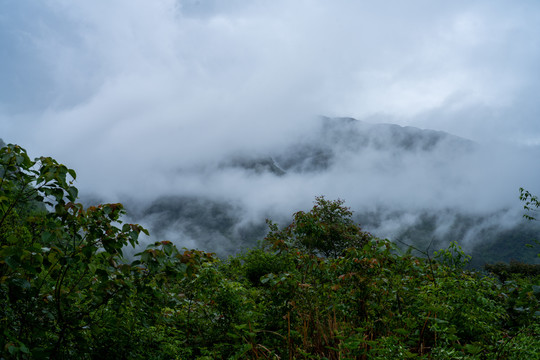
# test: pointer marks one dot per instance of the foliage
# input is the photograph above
(319, 289)
(531, 203)
(513, 270)
(327, 229)
(60, 271)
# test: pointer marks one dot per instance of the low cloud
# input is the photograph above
(147, 99)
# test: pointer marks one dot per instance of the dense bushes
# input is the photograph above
(514, 269)
(320, 288)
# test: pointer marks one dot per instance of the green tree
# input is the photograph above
(327, 229)
(319, 289)
(61, 268)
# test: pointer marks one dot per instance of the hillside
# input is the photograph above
(337, 149)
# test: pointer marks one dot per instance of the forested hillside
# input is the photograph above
(423, 187)
(320, 288)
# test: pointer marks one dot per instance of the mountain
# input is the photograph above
(336, 136)
(410, 166)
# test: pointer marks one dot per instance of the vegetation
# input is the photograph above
(531, 203)
(320, 288)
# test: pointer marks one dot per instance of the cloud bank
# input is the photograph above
(148, 98)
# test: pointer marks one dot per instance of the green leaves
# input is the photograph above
(326, 230)
(531, 203)
(59, 268)
(320, 288)
(454, 257)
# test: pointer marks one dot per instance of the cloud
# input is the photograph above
(246, 58)
(146, 98)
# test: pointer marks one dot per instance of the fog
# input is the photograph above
(152, 99)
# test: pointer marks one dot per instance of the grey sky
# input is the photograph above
(145, 96)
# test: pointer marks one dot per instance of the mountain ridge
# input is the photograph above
(350, 135)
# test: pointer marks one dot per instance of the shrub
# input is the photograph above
(327, 230)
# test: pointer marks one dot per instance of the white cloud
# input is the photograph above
(145, 97)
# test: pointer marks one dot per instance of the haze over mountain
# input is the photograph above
(216, 103)
(378, 162)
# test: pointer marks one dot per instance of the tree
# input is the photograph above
(327, 229)
(60, 264)
(67, 293)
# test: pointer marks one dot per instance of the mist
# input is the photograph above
(149, 100)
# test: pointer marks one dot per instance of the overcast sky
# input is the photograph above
(122, 90)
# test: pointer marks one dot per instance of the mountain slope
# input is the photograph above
(402, 183)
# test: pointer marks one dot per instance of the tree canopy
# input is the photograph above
(327, 229)
(320, 288)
